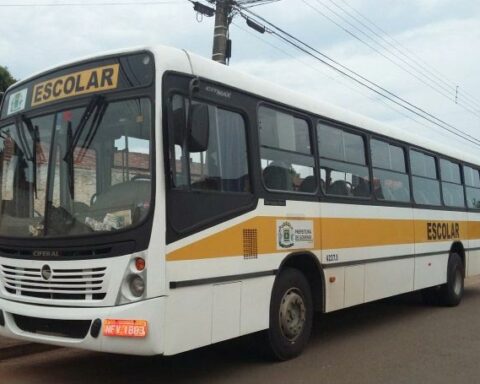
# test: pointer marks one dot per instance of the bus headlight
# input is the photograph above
(134, 282)
(137, 285)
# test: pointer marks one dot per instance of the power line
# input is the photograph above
(91, 4)
(382, 34)
(254, 3)
(437, 87)
(356, 89)
(354, 76)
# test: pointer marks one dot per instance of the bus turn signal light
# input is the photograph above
(125, 328)
(140, 264)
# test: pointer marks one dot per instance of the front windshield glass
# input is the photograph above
(76, 171)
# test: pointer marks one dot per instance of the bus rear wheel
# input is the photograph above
(449, 294)
(291, 315)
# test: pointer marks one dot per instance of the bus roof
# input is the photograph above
(229, 76)
(183, 61)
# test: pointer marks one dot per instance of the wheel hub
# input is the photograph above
(457, 285)
(292, 314)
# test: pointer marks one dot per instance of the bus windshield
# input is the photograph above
(76, 171)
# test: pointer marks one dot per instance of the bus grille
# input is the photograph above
(63, 284)
(74, 329)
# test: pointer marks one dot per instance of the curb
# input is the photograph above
(24, 350)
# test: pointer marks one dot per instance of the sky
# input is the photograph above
(441, 35)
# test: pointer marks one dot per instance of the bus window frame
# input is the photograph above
(175, 82)
(227, 107)
(462, 181)
(366, 144)
(465, 186)
(438, 178)
(295, 114)
(408, 172)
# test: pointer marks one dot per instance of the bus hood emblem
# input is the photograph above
(46, 272)
(46, 253)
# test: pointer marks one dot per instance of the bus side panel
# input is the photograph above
(206, 314)
(335, 288)
(388, 278)
(473, 256)
(189, 318)
(226, 311)
(359, 284)
(361, 236)
(354, 285)
(430, 270)
(255, 306)
(433, 242)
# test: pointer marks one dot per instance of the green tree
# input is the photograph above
(6, 79)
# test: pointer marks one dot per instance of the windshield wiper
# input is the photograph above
(31, 156)
(97, 120)
(33, 130)
(22, 138)
(96, 104)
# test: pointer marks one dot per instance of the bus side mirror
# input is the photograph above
(179, 125)
(199, 128)
(1, 98)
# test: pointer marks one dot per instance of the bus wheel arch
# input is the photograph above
(297, 292)
(451, 292)
(308, 264)
(290, 315)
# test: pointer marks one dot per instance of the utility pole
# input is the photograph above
(221, 43)
(224, 12)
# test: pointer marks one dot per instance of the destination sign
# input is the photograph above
(64, 84)
(75, 84)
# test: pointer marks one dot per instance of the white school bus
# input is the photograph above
(153, 202)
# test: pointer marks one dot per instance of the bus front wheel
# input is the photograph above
(291, 315)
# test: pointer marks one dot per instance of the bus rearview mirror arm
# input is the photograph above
(198, 122)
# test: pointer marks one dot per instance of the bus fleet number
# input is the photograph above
(332, 257)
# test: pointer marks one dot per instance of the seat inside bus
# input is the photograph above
(278, 178)
(131, 195)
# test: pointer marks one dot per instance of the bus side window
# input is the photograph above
(472, 187)
(223, 166)
(425, 183)
(390, 178)
(286, 152)
(453, 195)
(343, 164)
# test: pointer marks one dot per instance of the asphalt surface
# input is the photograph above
(397, 340)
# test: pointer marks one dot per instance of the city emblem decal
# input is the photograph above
(286, 235)
(295, 234)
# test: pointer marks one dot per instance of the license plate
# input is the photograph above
(125, 328)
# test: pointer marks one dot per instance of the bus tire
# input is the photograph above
(451, 293)
(291, 315)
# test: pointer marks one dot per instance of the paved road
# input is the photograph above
(393, 341)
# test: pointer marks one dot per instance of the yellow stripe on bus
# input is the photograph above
(329, 233)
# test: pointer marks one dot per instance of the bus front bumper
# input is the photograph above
(72, 326)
